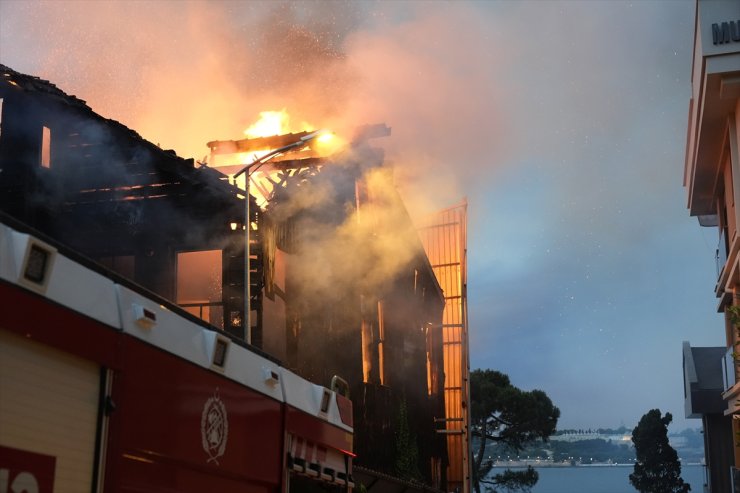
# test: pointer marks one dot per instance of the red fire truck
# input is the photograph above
(105, 387)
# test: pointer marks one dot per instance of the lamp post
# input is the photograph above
(249, 169)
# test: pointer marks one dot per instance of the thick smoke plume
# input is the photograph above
(341, 246)
(184, 73)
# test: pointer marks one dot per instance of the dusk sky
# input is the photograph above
(563, 123)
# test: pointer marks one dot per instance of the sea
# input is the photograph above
(603, 479)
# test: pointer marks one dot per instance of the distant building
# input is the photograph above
(712, 180)
(577, 437)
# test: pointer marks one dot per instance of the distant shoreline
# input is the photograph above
(546, 465)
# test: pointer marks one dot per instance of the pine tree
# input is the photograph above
(657, 469)
(506, 415)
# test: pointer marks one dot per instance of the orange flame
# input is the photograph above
(277, 122)
(274, 123)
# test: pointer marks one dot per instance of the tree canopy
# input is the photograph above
(657, 469)
(504, 414)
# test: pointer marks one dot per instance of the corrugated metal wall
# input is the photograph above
(445, 240)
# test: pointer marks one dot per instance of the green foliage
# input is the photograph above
(407, 451)
(657, 469)
(514, 480)
(733, 313)
(505, 415)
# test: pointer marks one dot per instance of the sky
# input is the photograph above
(562, 123)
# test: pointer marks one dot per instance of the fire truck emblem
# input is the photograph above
(214, 428)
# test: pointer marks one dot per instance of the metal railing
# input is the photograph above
(720, 255)
(214, 317)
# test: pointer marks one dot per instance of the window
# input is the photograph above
(199, 285)
(46, 147)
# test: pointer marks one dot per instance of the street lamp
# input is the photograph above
(249, 169)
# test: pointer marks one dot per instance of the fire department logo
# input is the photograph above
(214, 428)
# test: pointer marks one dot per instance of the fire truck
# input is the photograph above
(107, 387)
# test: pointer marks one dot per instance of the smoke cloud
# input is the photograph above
(575, 240)
(340, 248)
(184, 73)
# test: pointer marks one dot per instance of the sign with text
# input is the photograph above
(26, 472)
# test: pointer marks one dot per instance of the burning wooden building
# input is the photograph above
(349, 290)
(338, 282)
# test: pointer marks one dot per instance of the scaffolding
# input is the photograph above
(444, 236)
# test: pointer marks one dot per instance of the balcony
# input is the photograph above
(726, 255)
(720, 255)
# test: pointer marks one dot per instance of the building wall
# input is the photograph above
(712, 179)
(718, 450)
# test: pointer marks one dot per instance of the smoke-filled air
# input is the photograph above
(185, 73)
(562, 122)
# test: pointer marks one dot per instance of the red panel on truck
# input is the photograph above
(178, 424)
(33, 316)
(314, 430)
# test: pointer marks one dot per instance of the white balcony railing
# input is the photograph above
(720, 254)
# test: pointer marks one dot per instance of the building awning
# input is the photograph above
(703, 385)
